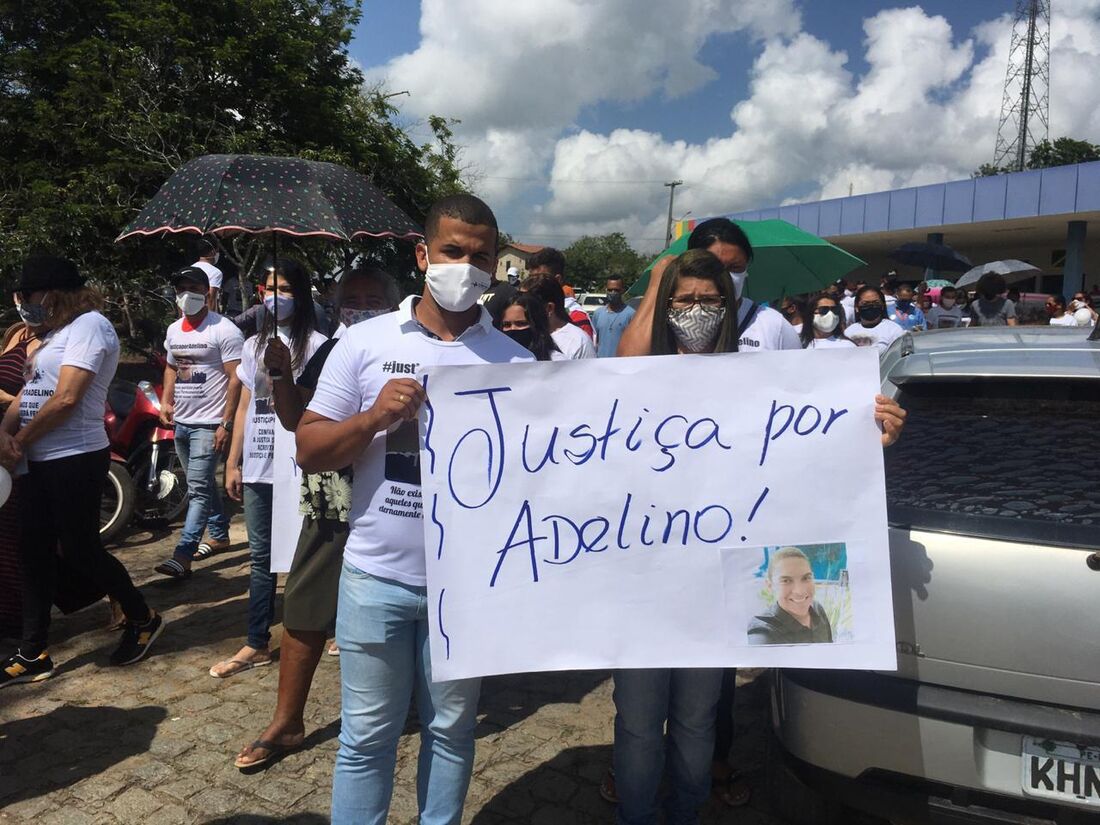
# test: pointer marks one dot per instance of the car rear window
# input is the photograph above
(1011, 459)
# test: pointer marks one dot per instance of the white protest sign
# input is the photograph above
(286, 519)
(640, 512)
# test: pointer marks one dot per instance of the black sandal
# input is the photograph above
(173, 569)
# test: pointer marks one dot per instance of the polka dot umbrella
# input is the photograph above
(261, 193)
(258, 193)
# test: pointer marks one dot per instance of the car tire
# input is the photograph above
(790, 797)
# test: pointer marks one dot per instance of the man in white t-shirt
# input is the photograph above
(201, 391)
(761, 327)
(573, 342)
(364, 414)
(208, 257)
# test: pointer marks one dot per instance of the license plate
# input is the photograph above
(1059, 770)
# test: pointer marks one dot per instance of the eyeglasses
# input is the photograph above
(688, 301)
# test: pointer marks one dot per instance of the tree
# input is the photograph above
(1063, 151)
(590, 260)
(100, 102)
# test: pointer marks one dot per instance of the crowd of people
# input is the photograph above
(358, 571)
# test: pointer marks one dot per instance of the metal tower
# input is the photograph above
(1026, 101)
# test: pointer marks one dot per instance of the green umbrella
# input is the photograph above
(786, 261)
(939, 282)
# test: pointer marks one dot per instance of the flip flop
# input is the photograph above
(333, 650)
(173, 569)
(208, 549)
(275, 752)
(243, 666)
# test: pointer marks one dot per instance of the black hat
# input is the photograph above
(47, 272)
(193, 274)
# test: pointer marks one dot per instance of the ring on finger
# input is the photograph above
(402, 398)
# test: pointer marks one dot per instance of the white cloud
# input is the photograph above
(516, 73)
(926, 108)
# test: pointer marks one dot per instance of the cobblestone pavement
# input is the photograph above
(155, 742)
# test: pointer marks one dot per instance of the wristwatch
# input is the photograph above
(227, 425)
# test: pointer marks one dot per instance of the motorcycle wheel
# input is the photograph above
(154, 509)
(117, 505)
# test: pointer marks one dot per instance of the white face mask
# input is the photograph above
(826, 323)
(456, 287)
(738, 282)
(191, 303)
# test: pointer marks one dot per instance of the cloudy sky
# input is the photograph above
(573, 112)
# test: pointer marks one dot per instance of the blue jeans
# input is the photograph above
(382, 631)
(195, 448)
(644, 699)
(261, 582)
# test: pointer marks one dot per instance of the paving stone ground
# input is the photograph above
(155, 742)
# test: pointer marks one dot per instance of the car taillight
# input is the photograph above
(150, 394)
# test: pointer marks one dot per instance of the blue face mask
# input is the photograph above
(285, 308)
(33, 315)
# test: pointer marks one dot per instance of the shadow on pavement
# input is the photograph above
(507, 700)
(257, 819)
(68, 745)
(564, 790)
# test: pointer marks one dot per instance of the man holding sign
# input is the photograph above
(364, 414)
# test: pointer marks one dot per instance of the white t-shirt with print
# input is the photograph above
(940, 318)
(882, 335)
(213, 274)
(259, 427)
(90, 343)
(832, 342)
(199, 355)
(387, 530)
(849, 304)
(766, 330)
(574, 342)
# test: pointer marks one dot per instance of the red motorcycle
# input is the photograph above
(146, 480)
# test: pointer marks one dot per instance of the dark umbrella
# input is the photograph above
(261, 193)
(932, 256)
(258, 193)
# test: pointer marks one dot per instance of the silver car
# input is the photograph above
(994, 505)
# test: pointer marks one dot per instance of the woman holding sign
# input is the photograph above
(694, 314)
(278, 352)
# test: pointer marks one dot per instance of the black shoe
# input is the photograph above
(136, 639)
(19, 669)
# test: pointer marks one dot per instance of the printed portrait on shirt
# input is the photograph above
(187, 372)
(403, 454)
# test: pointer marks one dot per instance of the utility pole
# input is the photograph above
(671, 192)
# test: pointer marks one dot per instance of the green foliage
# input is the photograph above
(1063, 151)
(590, 260)
(101, 101)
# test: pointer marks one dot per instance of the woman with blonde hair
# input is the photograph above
(54, 432)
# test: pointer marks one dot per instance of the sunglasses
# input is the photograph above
(825, 310)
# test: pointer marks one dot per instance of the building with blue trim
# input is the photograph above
(1040, 216)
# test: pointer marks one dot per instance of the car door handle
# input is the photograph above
(1093, 561)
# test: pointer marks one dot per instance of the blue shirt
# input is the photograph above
(609, 328)
(913, 319)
